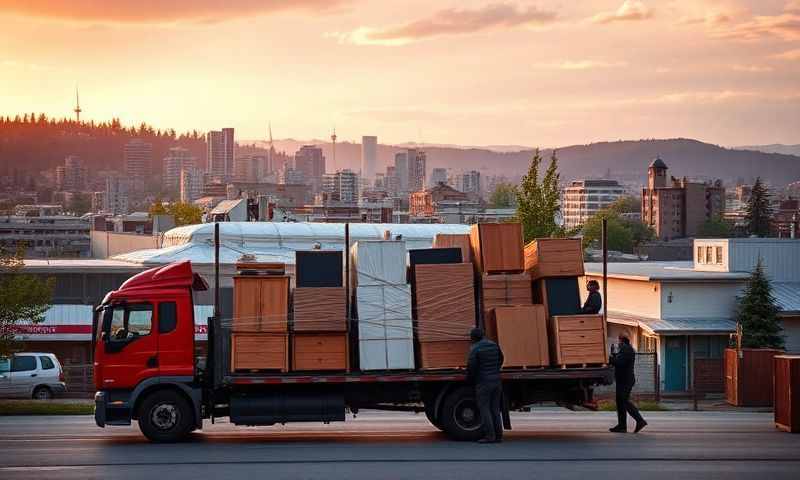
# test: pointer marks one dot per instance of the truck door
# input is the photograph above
(130, 345)
(176, 337)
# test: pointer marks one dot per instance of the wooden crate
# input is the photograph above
(787, 393)
(497, 247)
(261, 303)
(521, 332)
(319, 351)
(577, 340)
(320, 309)
(749, 377)
(259, 351)
(504, 289)
(455, 240)
(443, 354)
(554, 257)
(444, 296)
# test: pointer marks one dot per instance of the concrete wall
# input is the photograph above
(629, 296)
(699, 300)
(108, 244)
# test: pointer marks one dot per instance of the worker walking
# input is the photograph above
(483, 371)
(594, 302)
(623, 361)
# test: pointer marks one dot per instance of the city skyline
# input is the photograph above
(718, 70)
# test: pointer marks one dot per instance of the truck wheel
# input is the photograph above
(460, 417)
(431, 414)
(165, 416)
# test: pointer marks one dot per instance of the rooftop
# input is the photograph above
(675, 325)
(77, 265)
(666, 271)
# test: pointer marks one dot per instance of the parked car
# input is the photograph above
(31, 375)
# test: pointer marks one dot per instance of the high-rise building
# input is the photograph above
(438, 175)
(191, 182)
(343, 185)
(391, 181)
(290, 176)
(177, 159)
(469, 183)
(138, 156)
(416, 170)
(71, 177)
(582, 199)
(220, 152)
(677, 209)
(250, 168)
(98, 201)
(369, 156)
(115, 200)
(401, 171)
(310, 161)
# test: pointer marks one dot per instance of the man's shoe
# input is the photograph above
(639, 426)
(486, 440)
(618, 429)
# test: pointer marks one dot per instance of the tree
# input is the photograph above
(757, 313)
(716, 227)
(503, 196)
(758, 216)
(626, 204)
(157, 208)
(23, 297)
(80, 203)
(538, 202)
(186, 213)
(619, 235)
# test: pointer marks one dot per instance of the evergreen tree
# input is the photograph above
(538, 201)
(759, 211)
(23, 298)
(757, 313)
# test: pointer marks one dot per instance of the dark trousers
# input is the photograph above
(489, 398)
(625, 407)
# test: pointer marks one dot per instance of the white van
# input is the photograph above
(31, 375)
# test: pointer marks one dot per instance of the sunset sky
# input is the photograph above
(537, 73)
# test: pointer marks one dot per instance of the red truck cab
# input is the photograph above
(144, 349)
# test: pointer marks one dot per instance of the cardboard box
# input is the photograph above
(457, 240)
(259, 351)
(521, 332)
(578, 339)
(319, 351)
(443, 354)
(320, 309)
(378, 262)
(497, 247)
(554, 257)
(261, 303)
(444, 301)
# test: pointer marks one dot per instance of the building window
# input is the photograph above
(700, 258)
(709, 254)
(719, 255)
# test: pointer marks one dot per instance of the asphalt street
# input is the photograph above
(547, 443)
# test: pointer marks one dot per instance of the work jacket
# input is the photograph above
(485, 361)
(624, 361)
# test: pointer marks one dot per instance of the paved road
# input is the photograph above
(546, 443)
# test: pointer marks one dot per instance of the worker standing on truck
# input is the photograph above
(483, 370)
(624, 360)
(594, 302)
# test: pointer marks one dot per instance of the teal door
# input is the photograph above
(675, 364)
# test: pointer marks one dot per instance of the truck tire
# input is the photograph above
(165, 416)
(430, 412)
(460, 417)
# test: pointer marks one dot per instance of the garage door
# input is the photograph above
(791, 333)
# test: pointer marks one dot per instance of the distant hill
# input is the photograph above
(774, 148)
(626, 159)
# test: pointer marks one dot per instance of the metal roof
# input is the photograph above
(226, 206)
(79, 265)
(787, 295)
(675, 271)
(672, 326)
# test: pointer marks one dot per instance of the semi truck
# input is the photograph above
(147, 369)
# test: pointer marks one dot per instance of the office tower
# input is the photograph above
(391, 181)
(369, 156)
(343, 185)
(220, 152)
(177, 159)
(71, 177)
(191, 182)
(401, 171)
(250, 168)
(470, 183)
(438, 175)
(115, 200)
(138, 156)
(416, 170)
(310, 161)
(582, 199)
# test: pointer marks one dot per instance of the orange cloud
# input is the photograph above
(629, 10)
(156, 11)
(785, 26)
(450, 22)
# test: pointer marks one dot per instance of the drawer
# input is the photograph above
(581, 337)
(574, 354)
(579, 322)
(320, 343)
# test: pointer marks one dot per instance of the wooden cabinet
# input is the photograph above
(504, 289)
(443, 354)
(497, 247)
(455, 240)
(319, 351)
(787, 393)
(261, 303)
(319, 309)
(259, 351)
(444, 296)
(521, 332)
(578, 340)
(554, 257)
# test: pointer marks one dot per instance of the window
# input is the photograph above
(167, 317)
(700, 258)
(47, 364)
(709, 254)
(23, 363)
(125, 323)
(719, 255)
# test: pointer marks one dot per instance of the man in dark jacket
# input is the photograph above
(483, 371)
(624, 360)
(594, 302)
